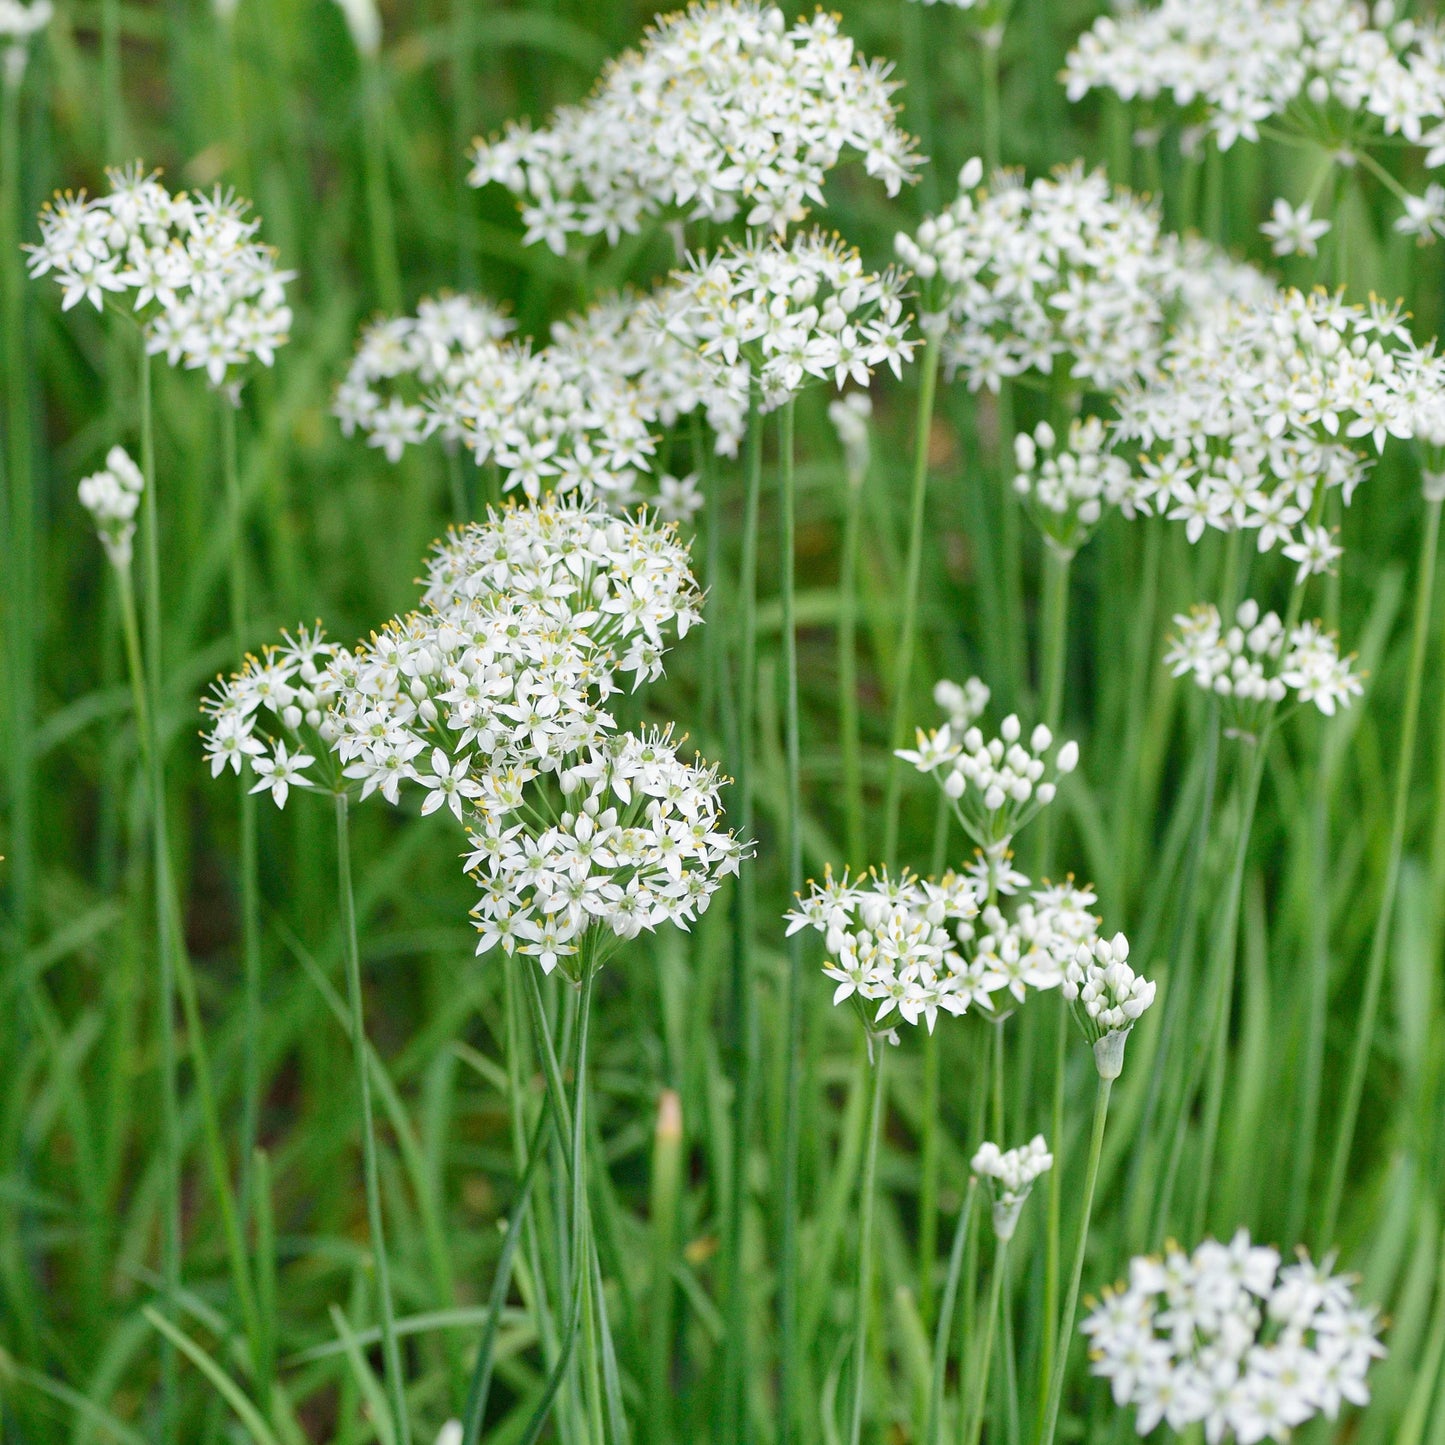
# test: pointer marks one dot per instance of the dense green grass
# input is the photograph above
(358, 172)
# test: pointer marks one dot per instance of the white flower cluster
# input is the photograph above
(1107, 997)
(399, 358)
(208, 294)
(791, 311)
(1227, 1339)
(1253, 665)
(18, 22)
(996, 784)
(1031, 950)
(1236, 64)
(850, 416)
(889, 942)
(725, 110)
(265, 717)
(1066, 488)
(1293, 230)
(1012, 1174)
(1064, 272)
(111, 496)
(491, 702)
(1256, 410)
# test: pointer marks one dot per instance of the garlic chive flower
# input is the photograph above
(1259, 409)
(995, 785)
(270, 719)
(399, 359)
(1253, 665)
(1346, 76)
(792, 311)
(111, 496)
(1062, 276)
(1226, 1339)
(207, 294)
(1065, 487)
(1293, 230)
(724, 111)
(900, 943)
(1106, 997)
(1011, 1175)
(850, 416)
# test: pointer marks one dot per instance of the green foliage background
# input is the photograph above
(334, 153)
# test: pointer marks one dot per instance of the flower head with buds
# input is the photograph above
(1253, 665)
(1107, 998)
(1227, 1339)
(207, 294)
(263, 719)
(1066, 486)
(1012, 1175)
(111, 496)
(18, 23)
(725, 111)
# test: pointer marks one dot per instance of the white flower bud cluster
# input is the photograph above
(265, 717)
(1066, 487)
(791, 311)
(1012, 1175)
(398, 358)
(1107, 997)
(1253, 666)
(111, 496)
(995, 784)
(1263, 404)
(1226, 1339)
(963, 702)
(724, 111)
(491, 702)
(207, 293)
(1062, 273)
(18, 22)
(1295, 63)
(1031, 950)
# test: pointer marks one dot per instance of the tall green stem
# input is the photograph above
(1380, 939)
(867, 1209)
(743, 1001)
(790, 1366)
(1071, 1304)
(385, 271)
(161, 880)
(922, 427)
(849, 735)
(990, 41)
(995, 1301)
(944, 1328)
(390, 1350)
(250, 891)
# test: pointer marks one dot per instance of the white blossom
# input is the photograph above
(1012, 1174)
(111, 496)
(1066, 485)
(1107, 998)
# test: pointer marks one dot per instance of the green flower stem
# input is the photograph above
(933, 1431)
(868, 1205)
(743, 996)
(790, 1363)
(988, 47)
(250, 890)
(849, 731)
(1380, 939)
(995, 1305)
(385, 271)
(932, 1141)
(166, 939)
(390, 1350)
(1071, 1304)
(923, 426)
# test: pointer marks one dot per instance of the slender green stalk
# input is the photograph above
(932, 1143)
(995, 1309)
(666, 1194)
(790, 1363)
(1071, 1304)
(112, 98)
(903, 676)
(1053, 1227)
(250, 888)
(849, 732)
(385, 271)
(161, 883)
(868, 1205)
(990, 41)
(390, 1350)
(743, 998)
(1380, 939)
(934, 1428)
